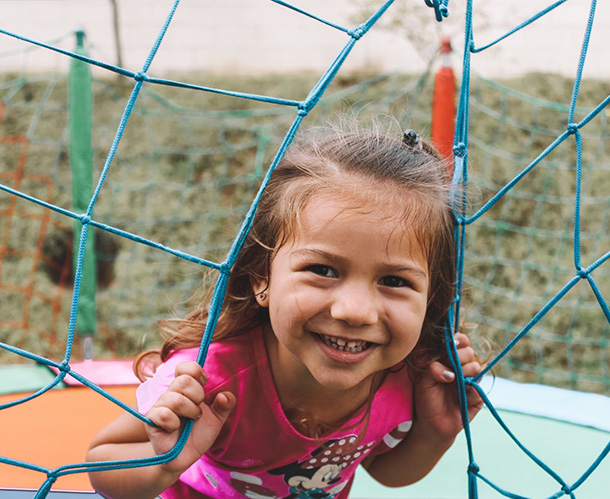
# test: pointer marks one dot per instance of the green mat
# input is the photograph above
(569, 442)
(24, 378)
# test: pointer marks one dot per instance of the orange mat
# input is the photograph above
(53, 430)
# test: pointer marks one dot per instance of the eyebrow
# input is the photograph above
(337, 259)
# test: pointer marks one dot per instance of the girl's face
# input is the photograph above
(347, 294)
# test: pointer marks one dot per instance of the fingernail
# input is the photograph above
(456, 341)
(448, 375)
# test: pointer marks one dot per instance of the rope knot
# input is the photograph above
(64, 367)
(225, 269)
(582, 273)
(459, 150)
(357, 33)
(303, 109)
(140, 76)
(440, 8)
(460, 220)
(474, 468)
(85, 219)
(572, 128)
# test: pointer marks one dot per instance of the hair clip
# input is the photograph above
(412, 139)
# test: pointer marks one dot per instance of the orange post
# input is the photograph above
(443, 105)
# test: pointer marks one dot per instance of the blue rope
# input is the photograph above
(461, 176)
(441, 8)
(303, 108)
(520, 26)
(141, 78)
(311, 16)
(582, 59)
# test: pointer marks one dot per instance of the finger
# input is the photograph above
(471, 369)
(441, 373)
(171, 407)
(461, 340)
(189, 387)
(164, 418)
(193, 370)
(222, 405)
(474, 401)
(444, 374)
(466, 355)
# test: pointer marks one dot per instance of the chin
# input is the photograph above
(339, 383)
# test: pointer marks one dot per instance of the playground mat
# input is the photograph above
(566, 430)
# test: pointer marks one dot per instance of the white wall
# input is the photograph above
(259, 36)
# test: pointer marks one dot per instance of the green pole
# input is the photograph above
(81, 163)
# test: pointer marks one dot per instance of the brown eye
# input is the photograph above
(393, 281)
(322, 270)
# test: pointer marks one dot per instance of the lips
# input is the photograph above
(343, 345)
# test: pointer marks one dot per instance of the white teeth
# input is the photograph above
(343, 345)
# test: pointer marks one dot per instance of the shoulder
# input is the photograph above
(392, 410)
(151, 389)
(231, 358)
(224, 361)
(395, 391)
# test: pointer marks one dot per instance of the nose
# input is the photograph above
(354, 304)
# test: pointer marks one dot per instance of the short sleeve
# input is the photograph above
(150, 391)
(393, 438)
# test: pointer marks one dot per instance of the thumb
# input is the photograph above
(223, 405)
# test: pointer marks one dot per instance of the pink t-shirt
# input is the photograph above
(258, 454)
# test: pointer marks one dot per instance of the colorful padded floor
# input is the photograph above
(55, 429)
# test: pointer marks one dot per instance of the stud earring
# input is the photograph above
(261, 298)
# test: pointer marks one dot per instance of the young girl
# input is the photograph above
(329, 352)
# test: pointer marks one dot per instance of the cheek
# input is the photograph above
(408, 331)
(285, 313)
(297, 481)
(409, 340)
(413, 341)
(290, 299)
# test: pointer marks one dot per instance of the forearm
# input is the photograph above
(409, 461)
(128, 438)
(145, 482)
(438, 421)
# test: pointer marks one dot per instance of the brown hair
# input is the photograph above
(406, 174)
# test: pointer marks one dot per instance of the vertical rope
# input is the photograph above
(84, 220)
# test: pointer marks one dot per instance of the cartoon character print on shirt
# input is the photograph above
(250, 486)
(319, 475)
(398, 434)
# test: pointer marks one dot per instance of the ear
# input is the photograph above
(260, 289)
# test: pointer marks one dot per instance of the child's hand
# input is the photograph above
(185, 399)
(436, 398)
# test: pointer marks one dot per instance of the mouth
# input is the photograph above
(343, 345)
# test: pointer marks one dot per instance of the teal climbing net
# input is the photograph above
(232, 165)
(565, 149)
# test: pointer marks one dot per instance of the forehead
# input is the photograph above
(343, 219)
(339, 207)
